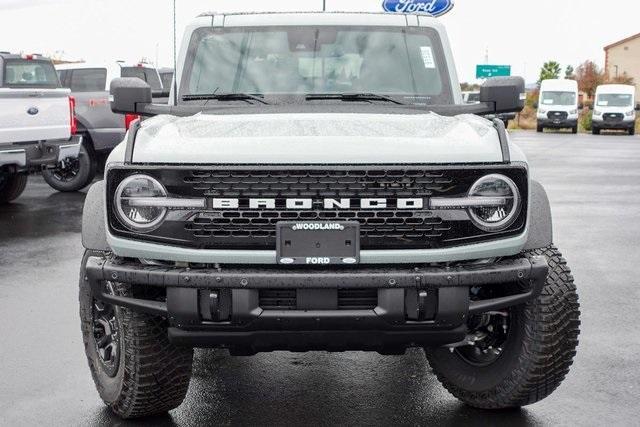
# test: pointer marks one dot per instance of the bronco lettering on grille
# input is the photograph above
(302, 204)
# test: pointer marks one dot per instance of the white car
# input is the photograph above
(615, 108)
(558, 107)
(319, 184)
(37, 121)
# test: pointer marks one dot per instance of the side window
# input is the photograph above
(89, 80)
(64, 78)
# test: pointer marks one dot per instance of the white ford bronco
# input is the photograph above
(316, 183)
(37, 122)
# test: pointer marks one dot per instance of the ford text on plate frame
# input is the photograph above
(432, 7)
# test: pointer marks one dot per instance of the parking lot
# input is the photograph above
(594, 186)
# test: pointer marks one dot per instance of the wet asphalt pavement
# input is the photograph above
(594, 186)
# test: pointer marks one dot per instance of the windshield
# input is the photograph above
(25, 73)
(149, 75)
(403, 63)
(615, 100)
(558, 98)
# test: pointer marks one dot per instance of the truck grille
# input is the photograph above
(388, 228)
(613, 117)
(557, 115)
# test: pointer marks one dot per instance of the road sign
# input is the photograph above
(486, 71)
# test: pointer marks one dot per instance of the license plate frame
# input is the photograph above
(318, 242)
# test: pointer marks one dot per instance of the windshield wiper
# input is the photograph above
(353, 97)
(225, 97)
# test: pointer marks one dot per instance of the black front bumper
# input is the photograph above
(614, 124)
(416, 305)
(558, 123)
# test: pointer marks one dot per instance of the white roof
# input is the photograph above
(622, 89)
(559, 84)
(315, 18)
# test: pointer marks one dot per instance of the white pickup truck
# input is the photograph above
(37, 121)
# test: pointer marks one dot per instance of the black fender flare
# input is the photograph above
(540, 220)
(94, 233)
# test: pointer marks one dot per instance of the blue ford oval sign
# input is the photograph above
(432, 7)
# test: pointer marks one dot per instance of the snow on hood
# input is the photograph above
(317, 138)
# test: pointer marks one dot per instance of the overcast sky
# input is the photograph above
(521, 33)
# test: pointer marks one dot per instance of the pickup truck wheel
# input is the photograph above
(520, 355)
(137, 372)
(75, 174)
(12, 186)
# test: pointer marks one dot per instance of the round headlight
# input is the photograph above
(501, 215)
(135, 205)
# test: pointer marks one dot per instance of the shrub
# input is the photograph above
(586, 121)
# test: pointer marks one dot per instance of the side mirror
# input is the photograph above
(507, 94)
(637, 107)
(535, 105)
(581, 106)
(129, 95)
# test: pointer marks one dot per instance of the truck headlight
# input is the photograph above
(573, 112)
(597, 113)
(135, 204)
(630, 113)
(500, 215)
(542, 111)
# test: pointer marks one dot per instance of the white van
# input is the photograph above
(558, 106)
(615, 108)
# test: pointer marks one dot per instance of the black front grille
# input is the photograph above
(386, 228)
(613, 117)
(557, 115)
(347, 299)
(277, 299)
(357, 299)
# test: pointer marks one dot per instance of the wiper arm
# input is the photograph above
(353, 97)
(225, 97)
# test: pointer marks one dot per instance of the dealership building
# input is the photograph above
(624, 57)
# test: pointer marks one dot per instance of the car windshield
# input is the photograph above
(149, 75)
(615, 100)
(558, 98)
(25, 73)
(404, 63)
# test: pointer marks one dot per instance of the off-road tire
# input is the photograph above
(153, 375)
(12, 186)
(87, 165)
(539, 350)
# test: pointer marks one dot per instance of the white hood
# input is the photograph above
(317, 139)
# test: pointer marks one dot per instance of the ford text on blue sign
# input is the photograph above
(432, 7)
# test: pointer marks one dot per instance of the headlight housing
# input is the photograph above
(135, 204)
(630, 113)
(505, 206)
(572, 112)
(542, 111)
(597, 113)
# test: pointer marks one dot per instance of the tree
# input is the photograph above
(469, 87)
(569, 73)
(589, 77)
(624, 79)
(550, 70)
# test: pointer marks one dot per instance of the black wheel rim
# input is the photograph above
(68, 171)
(489, 334)
(106, 335)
